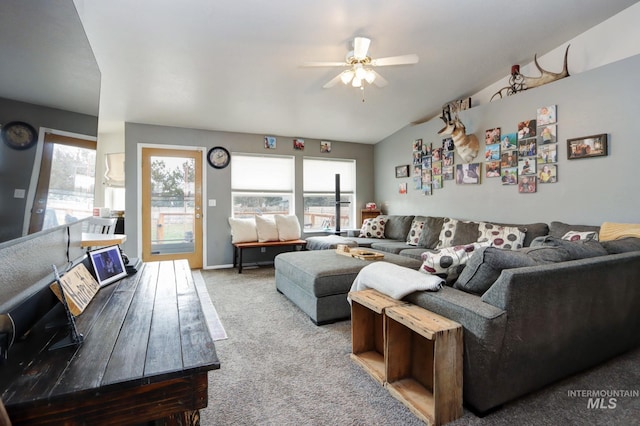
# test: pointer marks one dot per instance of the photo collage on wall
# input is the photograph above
(432, 165)
(527, 157)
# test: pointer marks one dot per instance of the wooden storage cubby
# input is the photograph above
(367, 330)
(424, 362)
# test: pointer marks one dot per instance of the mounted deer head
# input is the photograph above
(467, 146)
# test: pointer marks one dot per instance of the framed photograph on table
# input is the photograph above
(587, 146)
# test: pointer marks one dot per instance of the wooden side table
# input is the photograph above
(367, 330)
(369, 214)
(424, 362)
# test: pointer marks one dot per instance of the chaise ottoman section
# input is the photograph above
(318, 281)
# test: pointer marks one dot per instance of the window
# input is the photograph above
(261, 185)
(319, 193)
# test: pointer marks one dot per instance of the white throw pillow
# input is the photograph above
(447, 233)
(580, 236)
(413, 237)
(288, 227)
(243, 230)
(373, 228)
(504, 237)
(267, 229)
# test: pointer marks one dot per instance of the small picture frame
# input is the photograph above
(468, 174)
(527, 184)
(402, 171)
(587, 147)
(298, 144)
(402, 188)
(269, 142)
(325, 147)
(548, 173)
(546, 115)
(492, 136)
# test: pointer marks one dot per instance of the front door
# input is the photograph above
(172, 205)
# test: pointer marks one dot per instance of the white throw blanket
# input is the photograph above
(394, 281)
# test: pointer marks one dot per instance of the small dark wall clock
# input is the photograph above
(218, 157)
(19, 135)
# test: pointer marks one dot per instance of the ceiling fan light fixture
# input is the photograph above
(356, 82)
(370, 76)
(361, 73)
(346, 76)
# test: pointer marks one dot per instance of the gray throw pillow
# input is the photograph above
(580, 249)
(397, 227)
(623, 245)
(485, 266)
(466, 233)
(430, 232)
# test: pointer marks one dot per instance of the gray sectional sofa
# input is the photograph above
(530, 316)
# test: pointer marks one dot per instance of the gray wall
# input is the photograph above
(218, 182)
(16, 166)
(588, 191)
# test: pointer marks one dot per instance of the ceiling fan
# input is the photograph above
(360, 66)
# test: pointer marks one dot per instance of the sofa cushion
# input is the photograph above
(506, 237)
(288, 227)
(622, 245)
(580, 249)
(485, 266)
(531, 230)
(576, 236)
(431, 231)
(390, 246)
(397, 227)
(413, 237)
(374, 227)
(243, 230)
(447, 262)
(558, 229)
(267, 229)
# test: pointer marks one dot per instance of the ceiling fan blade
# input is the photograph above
(324, 64)
(396, 60)
(380, 81)
(332, 82)
(360, 47)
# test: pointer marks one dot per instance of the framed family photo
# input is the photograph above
(402, 171)
(587, 146)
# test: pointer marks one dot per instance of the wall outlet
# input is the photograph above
(263, 249)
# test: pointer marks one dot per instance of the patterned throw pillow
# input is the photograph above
(448, 262)
(373, 228)
(413, 237)
(504, 237)
(447, 232)
(577, 236)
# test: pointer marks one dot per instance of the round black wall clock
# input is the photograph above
(218, 157)
(19, 135)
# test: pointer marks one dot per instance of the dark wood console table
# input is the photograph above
(145, 357)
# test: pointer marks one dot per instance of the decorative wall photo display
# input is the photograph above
(417, 171)
(509, 159)
(427, 189)
(325, 146)
(426, 148)
(468, 174)
(509, 175)
(417, 158)
(492, 136)
(527, 147)
(436, 182)
(492, 152)
(426, 176)
(269, 142)
(447, 158)
(417, 182)
(547, 154)
(527, 184)
(402, 188)
(492, 169)
(447, 145)
(546, 115)
(298, 144)
(526, 166)
(447, 172)
(548, 173)
(417, 145)
(526, 129)
(548, 134)
(436, 168)
(426, 162)
(402, 171)
(436, 154)
(509, 141)
(587, 147)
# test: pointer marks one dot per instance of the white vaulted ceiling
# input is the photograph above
(235, 65)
